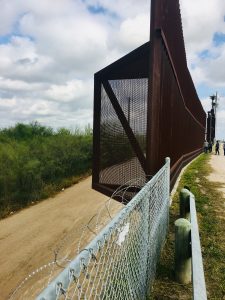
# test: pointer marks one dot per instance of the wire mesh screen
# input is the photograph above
(118, 162)
(132, 95)
(120, 262)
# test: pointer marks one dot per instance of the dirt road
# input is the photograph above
(217, 175)
(217, 163)
(29, 238)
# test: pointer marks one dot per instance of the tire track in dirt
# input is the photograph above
(28, 238)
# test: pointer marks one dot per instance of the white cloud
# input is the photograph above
(19, 60)
(201, 20)
(123, 9)
(206, 103)
(74, 90)
(9, 14)
(220, 125)
(52, 50)
(18, 85)
(47, 112)
(7, 103)
(133, 32)
(214, 68)
(73, 41)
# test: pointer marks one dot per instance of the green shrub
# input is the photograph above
(36, 162)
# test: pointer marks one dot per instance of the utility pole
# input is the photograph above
(216, 104)
(212, 123)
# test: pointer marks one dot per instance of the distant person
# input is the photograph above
(210, 147)
(224, 148)
(217, 148)
(206, 145)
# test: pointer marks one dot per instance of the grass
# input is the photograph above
(211, 220)
(48, 191)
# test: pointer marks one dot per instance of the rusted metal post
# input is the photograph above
(182, 251)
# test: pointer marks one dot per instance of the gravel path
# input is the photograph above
(28, 238)
(217, 163)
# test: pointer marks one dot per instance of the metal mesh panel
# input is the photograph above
(120, 262)
(118, 162)
(132, 95)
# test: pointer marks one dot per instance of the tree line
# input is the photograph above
(36, 162)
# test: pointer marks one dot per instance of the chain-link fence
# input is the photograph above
(120, 262)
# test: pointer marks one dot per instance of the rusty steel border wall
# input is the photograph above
(146, 108)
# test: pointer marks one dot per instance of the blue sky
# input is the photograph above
(49, 53)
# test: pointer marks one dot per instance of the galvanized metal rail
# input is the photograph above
(198, 278)
(188, 255)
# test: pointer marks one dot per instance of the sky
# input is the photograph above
(50, 50)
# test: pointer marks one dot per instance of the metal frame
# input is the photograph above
(132, 66)
(175, 117)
